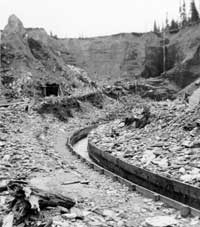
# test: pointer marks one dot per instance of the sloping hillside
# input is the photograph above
(129, 56)
(29, 65)
(31, 54)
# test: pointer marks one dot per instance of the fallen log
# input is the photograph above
(28, 201)
(75, 182)
(44, 198)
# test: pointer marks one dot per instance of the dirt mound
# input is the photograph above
(153, 88)
(65, 107)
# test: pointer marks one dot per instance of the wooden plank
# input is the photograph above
(179, 191)
(148, 183)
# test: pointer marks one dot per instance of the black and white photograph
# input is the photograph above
(99, 113)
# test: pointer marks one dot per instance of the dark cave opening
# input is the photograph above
(51, 89)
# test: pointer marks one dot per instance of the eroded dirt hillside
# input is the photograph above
(32, 53)
(132, 56)
(185, 50)
(112, 57)
(31, 66)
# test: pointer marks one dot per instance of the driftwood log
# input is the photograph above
(28, 201)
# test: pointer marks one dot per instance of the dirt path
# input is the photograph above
(36, 148)
(103, 202)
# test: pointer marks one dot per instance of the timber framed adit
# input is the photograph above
(176, 194)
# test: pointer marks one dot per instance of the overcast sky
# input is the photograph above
(74, 18)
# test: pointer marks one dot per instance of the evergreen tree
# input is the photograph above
(173, 25)
(184, 15)
(180, 9)
(194, 12)
(159, 30)
(155, 28)
(167, 22)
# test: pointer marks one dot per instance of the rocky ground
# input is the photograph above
(33, 149)
(168, 145)
(35, 65)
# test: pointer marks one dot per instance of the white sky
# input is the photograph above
(74, 18)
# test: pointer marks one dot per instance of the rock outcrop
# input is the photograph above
(14, 26)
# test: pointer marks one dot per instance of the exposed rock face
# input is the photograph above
(186, 68)
(182, 59)
(154, 59)
(153, 65)
(111, 57)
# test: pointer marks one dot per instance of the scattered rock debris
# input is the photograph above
(168, 145)
(28, 152)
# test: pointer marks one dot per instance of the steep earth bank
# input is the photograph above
(33, 57)
(31, 68)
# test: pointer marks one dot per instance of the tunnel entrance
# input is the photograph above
(51, 89)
